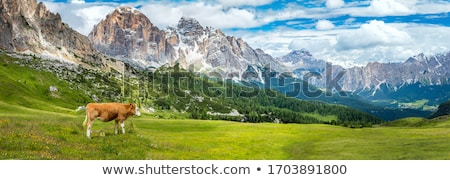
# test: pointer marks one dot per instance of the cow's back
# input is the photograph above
(103, 111)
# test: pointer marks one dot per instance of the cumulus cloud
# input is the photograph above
(91, 16)
(334, 3)
(375, 33)
(324, 25)
(386, 8)
(166, 14)
(78, 1)
(373, 41)
(81, 16)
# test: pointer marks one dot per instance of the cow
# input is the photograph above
(107, 112)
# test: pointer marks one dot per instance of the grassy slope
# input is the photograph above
(24, 86)
(441, 122)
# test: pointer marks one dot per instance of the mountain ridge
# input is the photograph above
(201, 49)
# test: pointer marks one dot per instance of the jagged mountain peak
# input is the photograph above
(188, 22)
(128, 34)
(302, 53)
(127, 9)
(190, 26)
(417, 58)
(300, 58)
(128, 17)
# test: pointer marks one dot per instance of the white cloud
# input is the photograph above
(285, 14)
(389, 7)
(334, 3)
(81, 16)
(324, 25)
(92, 16)
(375, 33)
(228, 3)
(77, 1)
(166, 14)
(373, 41)
(384, 8)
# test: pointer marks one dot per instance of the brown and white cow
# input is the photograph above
(107, 112)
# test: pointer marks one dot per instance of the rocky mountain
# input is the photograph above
(28, 27)
(431, 70)
(421, 69)
(127, 34)
(302, 62)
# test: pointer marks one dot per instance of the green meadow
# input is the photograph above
(37, 134)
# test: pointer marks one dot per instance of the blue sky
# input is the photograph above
(341, 31)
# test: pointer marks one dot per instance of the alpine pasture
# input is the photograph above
(38, 124)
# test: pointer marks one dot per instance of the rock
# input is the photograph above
(80, 108)
(53, 89)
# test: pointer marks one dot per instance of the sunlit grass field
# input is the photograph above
(36, 134)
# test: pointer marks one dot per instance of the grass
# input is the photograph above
(419, 104)
(37, 134)
(28, 87)
(441, 122)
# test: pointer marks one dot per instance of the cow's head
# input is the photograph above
(135, 110)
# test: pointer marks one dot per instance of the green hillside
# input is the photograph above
(443, 109)
(25, 86)
(441, 122)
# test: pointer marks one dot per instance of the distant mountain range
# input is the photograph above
(421, 82)
(419, 78)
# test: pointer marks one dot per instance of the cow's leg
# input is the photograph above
(89, 125)
(122, 124)
(116, 126)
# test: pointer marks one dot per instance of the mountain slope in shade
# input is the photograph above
(28, 27)
(444, 109)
